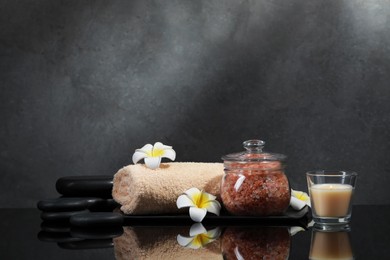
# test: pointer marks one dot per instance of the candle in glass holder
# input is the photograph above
(331, 199)
(331, 196)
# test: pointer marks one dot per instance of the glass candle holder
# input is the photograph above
(331, 196)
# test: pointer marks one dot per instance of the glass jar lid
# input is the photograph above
(254, 153)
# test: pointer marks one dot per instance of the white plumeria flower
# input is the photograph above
(199, 202)
(199, 236)
(299, 199)
(152, 154)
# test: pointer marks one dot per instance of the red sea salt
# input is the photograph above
(254, 182)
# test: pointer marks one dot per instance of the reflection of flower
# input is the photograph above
(152, 154)
(199, 236)
(199, 202)
(299, 199)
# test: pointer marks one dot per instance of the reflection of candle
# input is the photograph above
(331, 200)
(330, 245)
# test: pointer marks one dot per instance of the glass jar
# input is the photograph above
(254, 182)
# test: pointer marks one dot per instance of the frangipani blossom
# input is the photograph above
(199, 202)
(299, 199)
(199, 236)
(152, 154)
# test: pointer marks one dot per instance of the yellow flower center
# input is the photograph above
(201, 240)
(155, 153)
(201, 200)
(302, 196)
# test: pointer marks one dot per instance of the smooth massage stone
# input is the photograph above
(97, 219)
(87, 244)
(57, 237)
(85, 186)
(60, 216)
(96, 233)
(104, 205)
(68, 204)
(50, 226)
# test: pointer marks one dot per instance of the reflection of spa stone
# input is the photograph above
(59, 237)
(87, 244)
(96, 233)
(97, 220)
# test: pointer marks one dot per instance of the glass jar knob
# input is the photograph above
(254, 146)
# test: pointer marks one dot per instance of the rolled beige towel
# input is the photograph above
(141, 190)
(160, 243)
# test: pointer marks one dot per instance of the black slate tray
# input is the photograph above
(290, 218)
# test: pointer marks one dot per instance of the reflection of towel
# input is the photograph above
(160, 243)
(144, 191)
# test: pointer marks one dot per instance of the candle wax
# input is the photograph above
(331, 199)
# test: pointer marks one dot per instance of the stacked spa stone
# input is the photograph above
(80, 194)
(75, 218)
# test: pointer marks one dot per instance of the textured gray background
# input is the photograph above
(84, 83)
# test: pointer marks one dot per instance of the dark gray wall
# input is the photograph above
(84, 83)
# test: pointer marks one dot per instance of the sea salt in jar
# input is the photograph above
(254, 182)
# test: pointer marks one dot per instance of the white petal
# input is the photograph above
(197, 229)
(192, 192)
(207, 196)
(137, 156)
(197, 214)
(214, 207)
(170, 154)
(147, 148)
(152, 162)
(161, 146)
(297, 204)
(184, 201)
(214, 233)
(194, 245)
(184, 241)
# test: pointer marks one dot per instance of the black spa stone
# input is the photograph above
(97, 219)
(60, 216)
(69, 204)
(61, 237)
(104, 205)
(55, 227)
(85, 186)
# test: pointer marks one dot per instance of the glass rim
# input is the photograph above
(331, 173)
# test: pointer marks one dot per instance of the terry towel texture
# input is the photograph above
(160, 243)
(141, 190)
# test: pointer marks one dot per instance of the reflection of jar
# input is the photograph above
(254, 182)
(256, 243)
